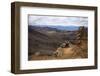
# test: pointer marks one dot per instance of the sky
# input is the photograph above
(57, 20)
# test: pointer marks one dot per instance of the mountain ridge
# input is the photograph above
(64, 28)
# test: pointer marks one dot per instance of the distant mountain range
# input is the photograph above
(43, 28)
(64, 28)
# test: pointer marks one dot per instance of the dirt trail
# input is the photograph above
(68, 53)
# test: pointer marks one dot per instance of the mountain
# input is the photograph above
(43, 28)
(66, 28)
(56, 27)
(38, 41)
(48, 38)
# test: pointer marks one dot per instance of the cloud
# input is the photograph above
(57, 20)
